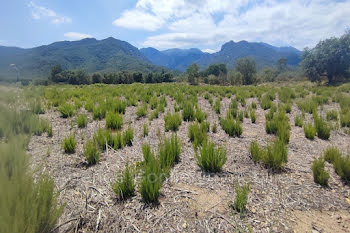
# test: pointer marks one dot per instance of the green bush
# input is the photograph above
(276, 155)
(128, 136)
(214, 128)
(49, 131)
(322, 129)
(82, 120)
(172, 121)
(103, 137)
(124, 185)
(331, 153)
(147, 153)
(332, 115)
(188, 113)
(69, 144)
(99, 112)
(141, 111)
(308, 105)
(310, 131)
(253, 105)
(256, 152)
(66, 110)
(279, 125)
(91, 152)
(241, 116)
(197, 134)
(28, 204)
(151, 180)
(321, 176)
(114, 120)
(119, 106)
(200, 115)
(36, 107)
(211, 158)
(89, 106)
(345, 119)
(118, 141)
(299, 121)
(266, 102)
(145, 130)
(169, 152)
(253, 116)
(217, 106)
(341, 165)
(241, 199)
(154, 114)
(231, 127)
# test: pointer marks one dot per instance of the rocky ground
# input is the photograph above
(193, 201)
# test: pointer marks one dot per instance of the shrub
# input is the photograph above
(197, 134)
(231, 127)
(49, 131)
(217, 106)
(128, 136)
(147, 153)
(309, 131)
(299, 121)
(266, 102)
(172, 121)
(119, 106)
(154, 114)
(169, 153)
(307, 105)
(200, 115)
(188, 113)
(253, 105)
(345, 119)
(279, 125)
(99, 112)
(151, 180)
(256, 152)
(276, 155)
(36, 107)
(211, 158)
(214, 128)
(241, 199)
(145, 130)
(69, 144)
(288, 107)
(341, 165)
(114, 120)
(253, 116)
(66, 110)
(103, 137)
(91, 152)
(323, 130)
(332, 115)
(321, 176)
(124, 185)
(82, 121)
(141, 111)
(241, 116)
(89, 106)
(331, 153)
(118, 141)
(28, 203)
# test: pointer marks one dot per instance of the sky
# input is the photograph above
(164, 24)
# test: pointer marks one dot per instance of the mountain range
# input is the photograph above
(110, 54)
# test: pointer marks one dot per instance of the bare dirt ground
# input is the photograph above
(193, 201)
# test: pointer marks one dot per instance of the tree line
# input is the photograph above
(79, 77)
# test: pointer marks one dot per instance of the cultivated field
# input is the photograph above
(208, 144)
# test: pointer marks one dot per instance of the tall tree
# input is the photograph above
(330, 58)
(56, 69)
(192, 73)
(247, 67)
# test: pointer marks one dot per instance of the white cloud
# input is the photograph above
(209, 23)
(208, 51)
(40, 12)
(76, 35)
(138, 19)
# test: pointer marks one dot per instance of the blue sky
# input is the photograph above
(205, 24)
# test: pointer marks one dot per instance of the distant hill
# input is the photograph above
(264, 55)
(90, 55)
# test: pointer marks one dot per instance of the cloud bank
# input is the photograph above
(76, 35)
(40, 12)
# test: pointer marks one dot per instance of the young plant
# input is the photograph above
(323, 130)
(169, 153)
(172, 121)
(214, 128)
(66, 110)
(188, 113)
(276, 155)
(256, 152)
(69, 144)
(332, 115)
(128, 136)
(197, 134)
(241, 199)
(145, 130)
(231, 127)
(331, 154)
(82, 120)
(124, 186)
(217, 106)
(321, 176)
(141, 111)
(253, 116)
(299, 121)
(309, 131)
(114, 120)
(49, 131)
(91, 152)
(211, 158)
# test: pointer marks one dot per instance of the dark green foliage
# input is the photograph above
(331, 153)
(91, 152)
(214, 128)
(332, 115)
(141, 111)
(66, 110)
(128, 136)
(118, 141)
(308, 105)
(197, 134)
(169, 152)
(69, 144)
(241, 116)
(99, 112)
(154, 114)
(253, 116)
(342, 167)
(188, 113)
(323, 130)
(82, 120)
(147, 153)
(145, 130)
(241, 199)
(310, 131)
(103, 137)
(200, 115)
(124, 185)
(279, 125)
(27, 204)
(217, 106)
(299, 120)
(231, 127)
(211, 158)
(247, 67)
(345, 119)
(172, 121)
(256, 152)
(266, 102)
(114, 120)
(321, 176)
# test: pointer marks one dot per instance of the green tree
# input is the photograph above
(247, 67)
(282, 64)
(192, 73)
(56, 69)
(330, 58)
(97, 78)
